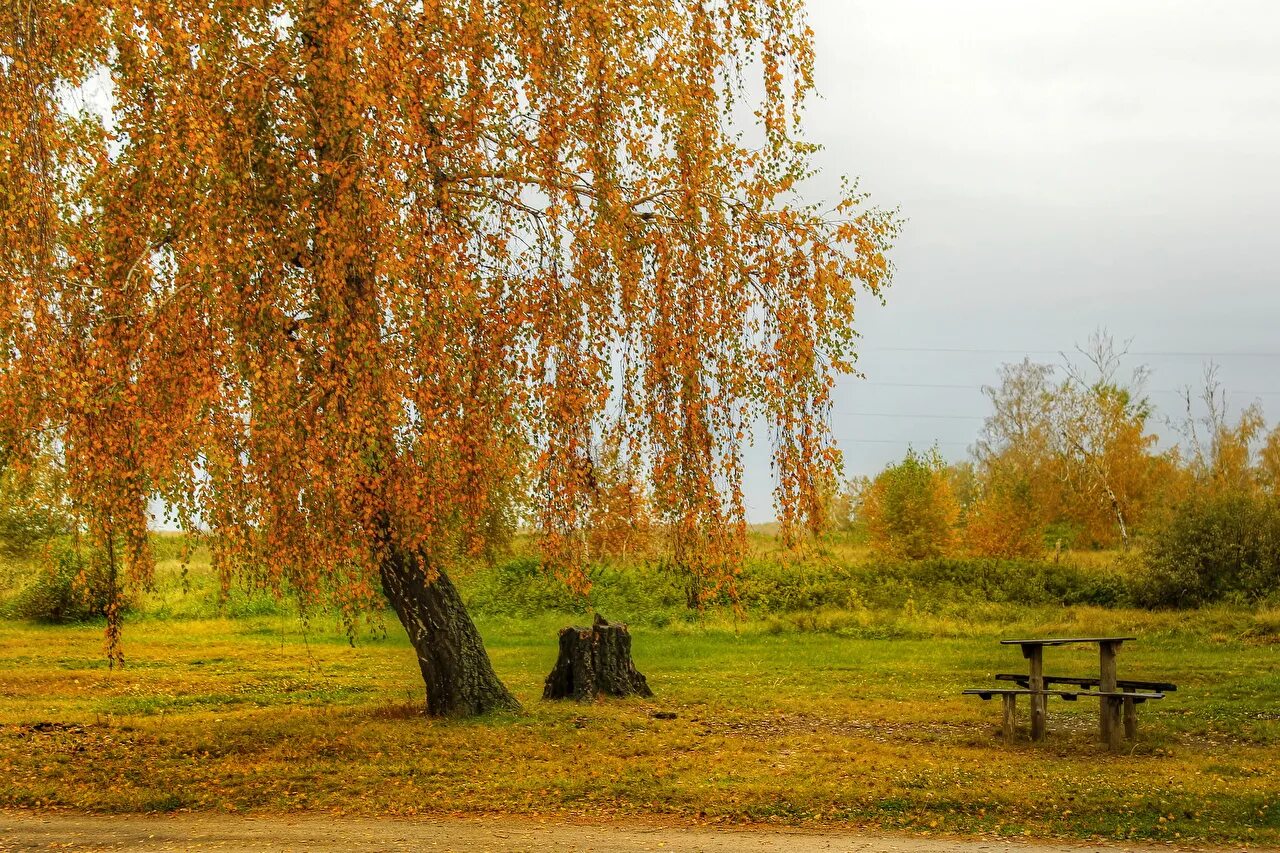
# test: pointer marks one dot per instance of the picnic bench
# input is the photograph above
(1116, 696)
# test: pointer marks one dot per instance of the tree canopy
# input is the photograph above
(337, 278)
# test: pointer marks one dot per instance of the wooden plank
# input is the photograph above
(988, 692)
(1109, 709)
(1122, 683)
(1157, 686)
(1061, 641)
(1010, 712)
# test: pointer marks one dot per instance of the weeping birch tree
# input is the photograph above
(340, 280)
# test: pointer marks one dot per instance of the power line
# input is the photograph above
(1193, 391)
(921, 443)
(909, 415)
(1145, 353)
(979, 387)
(921, 385)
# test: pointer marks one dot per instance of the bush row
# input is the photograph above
(1211, 549)
(656, 594)
(1223, 549)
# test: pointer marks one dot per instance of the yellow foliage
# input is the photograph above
(1005, 521)
(910, 509)
(341, 284)
(1230, 464)
(1269, 462)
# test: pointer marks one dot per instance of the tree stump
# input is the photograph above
(595, 662)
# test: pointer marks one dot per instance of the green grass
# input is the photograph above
(846, 712)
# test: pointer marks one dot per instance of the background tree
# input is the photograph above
(840, 504)
(1017, 466)
(1218, 532)
(1103, 447)
(1269, 463)
(909, 508)
(1221, 454)
(622, 523)
(965, 484)
(339, 277)
(1004, 519)
(1074, 452)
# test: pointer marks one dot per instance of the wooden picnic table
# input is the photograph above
(1114, 694)
(1108, 711)
(1109, 707)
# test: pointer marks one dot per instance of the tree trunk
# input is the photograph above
(455, 667)
(595, 662)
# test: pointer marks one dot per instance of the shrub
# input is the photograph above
(770, 586)
(32, 506)
(1215, 547)
(521, 587)
(1021, 581)
(68, 588)
(939, 584)
(909, 509)
(789, 586)
(517, 587)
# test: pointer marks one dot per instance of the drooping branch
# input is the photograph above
(420, 263)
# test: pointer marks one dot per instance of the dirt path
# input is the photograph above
(22, 831)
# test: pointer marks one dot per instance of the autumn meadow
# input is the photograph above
(828, 698)
(466, 408)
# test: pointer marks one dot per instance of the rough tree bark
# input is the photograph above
(595, 662)
(459, 678)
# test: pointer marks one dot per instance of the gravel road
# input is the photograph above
(61, 831)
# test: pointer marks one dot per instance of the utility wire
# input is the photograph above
(918, 443)
(908, 415)
(979, 387)
(1145, 353)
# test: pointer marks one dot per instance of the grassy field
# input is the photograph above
(847, 716)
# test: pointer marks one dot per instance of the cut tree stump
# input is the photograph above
(595, 662)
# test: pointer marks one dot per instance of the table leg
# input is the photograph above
(1039, 703)
(1010, 712)
(1109, 708)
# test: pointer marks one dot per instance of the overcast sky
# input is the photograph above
(1060, 166)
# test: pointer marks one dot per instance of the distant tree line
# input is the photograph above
(1068, 459)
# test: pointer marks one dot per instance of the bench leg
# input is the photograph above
(1130, 719)
(1010, 711)
(1114, 731)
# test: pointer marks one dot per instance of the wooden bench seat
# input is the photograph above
(1118, 702)
(1129, 695)
(1128, 700)
(1009, 700)
(988, 692)
(1124, 684)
